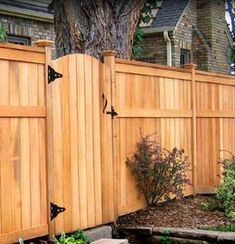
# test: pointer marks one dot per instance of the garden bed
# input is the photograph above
(186, 213)
(182, 218)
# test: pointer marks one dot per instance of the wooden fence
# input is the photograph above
(23, 197)
(85, 170)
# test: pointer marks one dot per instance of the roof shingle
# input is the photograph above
(169, 13)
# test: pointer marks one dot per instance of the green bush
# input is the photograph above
(226, 190)
(3, 33)
(211, 205)
(75, 238)
(158, 172)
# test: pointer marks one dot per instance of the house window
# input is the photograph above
(184, 57)
(22, 40)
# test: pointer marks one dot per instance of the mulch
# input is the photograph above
(185, 213)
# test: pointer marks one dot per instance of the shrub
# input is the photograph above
(3, 33)
(158, 172)
(211, 205)
(225, 193)
(75, 238)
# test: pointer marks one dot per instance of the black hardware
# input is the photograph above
(52, 74)
(113, 113)
(105, 103)
(55, 210)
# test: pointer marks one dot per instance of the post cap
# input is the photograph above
(112, 53)
(44, 43)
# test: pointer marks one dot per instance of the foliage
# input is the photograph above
(146, 16)
(75, 238)
(158, 172)
(222, 228)
(211, 205)
(165, 238)
(231, 12)
(3, 33)
(226, 190)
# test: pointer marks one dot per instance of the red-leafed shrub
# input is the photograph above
(159, 172)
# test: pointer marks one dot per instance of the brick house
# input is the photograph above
(194, 31)
(185, 31)
(27, 21)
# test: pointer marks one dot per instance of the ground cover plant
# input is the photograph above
(76, 238)
(225, 193)
(159, 172)
(224, 199)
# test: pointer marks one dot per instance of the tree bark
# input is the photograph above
(92, 26)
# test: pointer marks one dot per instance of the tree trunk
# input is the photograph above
(92, 26)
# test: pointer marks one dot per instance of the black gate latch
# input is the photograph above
(52, 74)
(55, 210)
(113, 113)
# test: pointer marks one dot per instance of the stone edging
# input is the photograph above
(190, 234)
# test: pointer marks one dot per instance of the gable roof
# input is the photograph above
(168, 15)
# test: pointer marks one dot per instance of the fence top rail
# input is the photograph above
(151, 65)
(200, 72)
(22, 48)
(214, 78)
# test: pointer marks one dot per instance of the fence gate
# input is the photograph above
(74, 143)
(23, 201)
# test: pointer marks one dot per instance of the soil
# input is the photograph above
(185, 213)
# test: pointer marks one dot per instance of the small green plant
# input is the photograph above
(75, 238)
(225, 193)
(211, 205)
(158, 172)
(3, 33)
(165, 238)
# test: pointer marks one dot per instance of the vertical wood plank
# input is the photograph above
(108, 200)
(67, 183)
(194, 126)
(89, 140)
(34, 149)
(15, 145)
(24, 147)
(96, 141)
(73, 110)
(82, 142)
(5, 160)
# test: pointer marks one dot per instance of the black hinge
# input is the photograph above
(52, 74)
(113, 113)
(55, 210)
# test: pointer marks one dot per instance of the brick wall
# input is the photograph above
(221, 49)
(202, 31)
(154, 49)
(35, 30)
(182, 38)
(211, 48)
(154, 46)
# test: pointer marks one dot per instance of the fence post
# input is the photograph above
(47, 44)
(193, 67)
(109, 177)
